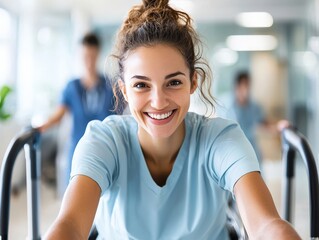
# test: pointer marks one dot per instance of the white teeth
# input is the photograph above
(160, 116)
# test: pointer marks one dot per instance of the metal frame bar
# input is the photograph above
(292, 142)
(30, 139)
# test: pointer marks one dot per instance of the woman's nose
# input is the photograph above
(159, 99)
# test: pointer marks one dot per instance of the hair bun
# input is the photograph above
(155, 3)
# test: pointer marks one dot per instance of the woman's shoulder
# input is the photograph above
(217, 124)
(113, 124)
(212, 131)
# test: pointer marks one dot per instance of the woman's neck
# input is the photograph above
(161, 151)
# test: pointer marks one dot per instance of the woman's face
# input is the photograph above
(157, 87)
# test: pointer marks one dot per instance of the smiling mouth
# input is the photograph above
(161, 116)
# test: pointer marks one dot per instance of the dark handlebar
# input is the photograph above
(292, 142)
(30, 137)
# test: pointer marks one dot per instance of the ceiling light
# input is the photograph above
(251, 42)
(254, 19)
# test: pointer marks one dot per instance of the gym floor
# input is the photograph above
(50, 204)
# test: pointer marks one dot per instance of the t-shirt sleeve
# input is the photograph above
(95, 155)
(66, 95)
(231, 157)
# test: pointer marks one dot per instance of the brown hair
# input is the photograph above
(242, 77)
(155, 22)
(91, 40)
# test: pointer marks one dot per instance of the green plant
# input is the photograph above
(4, 91)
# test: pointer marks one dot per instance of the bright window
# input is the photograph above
(6, 48)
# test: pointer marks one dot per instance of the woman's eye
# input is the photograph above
(140, 85)
(174, 83)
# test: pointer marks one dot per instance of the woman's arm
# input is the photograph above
(258, 211)
(78, 209)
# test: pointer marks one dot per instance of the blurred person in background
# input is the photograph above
(86, 98)
(248, 113)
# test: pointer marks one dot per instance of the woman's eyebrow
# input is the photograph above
(174, 74)
(166, 77)
(141, 77)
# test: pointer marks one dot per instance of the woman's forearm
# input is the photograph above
(277, 229)
(63, 229)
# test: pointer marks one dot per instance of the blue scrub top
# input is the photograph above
(249, 117)
(85, 106)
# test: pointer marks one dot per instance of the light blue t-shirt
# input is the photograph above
(214, 155)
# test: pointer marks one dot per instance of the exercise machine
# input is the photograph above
(292, 142)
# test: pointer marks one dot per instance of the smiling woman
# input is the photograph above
(163, 172)
(157, 87)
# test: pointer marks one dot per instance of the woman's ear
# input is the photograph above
(194, 82)
(122, 88)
